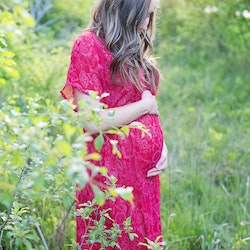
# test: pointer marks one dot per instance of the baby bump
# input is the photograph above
(140, 151)
(148, 148)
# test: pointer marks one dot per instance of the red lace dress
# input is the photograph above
(89, 70)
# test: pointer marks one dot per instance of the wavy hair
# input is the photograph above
(117, 23)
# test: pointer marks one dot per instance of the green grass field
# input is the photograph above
(205, 113)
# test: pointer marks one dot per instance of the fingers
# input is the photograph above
(146, 94)
(154, 107)
(161, 165)
(151, 102)
(153, 172)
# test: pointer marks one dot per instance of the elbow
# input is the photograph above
(91, 129)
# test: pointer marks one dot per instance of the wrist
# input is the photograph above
(144, 106)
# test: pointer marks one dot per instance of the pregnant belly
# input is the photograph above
(139, 153)
(148, 148)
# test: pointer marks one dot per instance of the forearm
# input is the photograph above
(121, 116)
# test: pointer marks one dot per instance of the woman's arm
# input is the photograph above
(122, 115)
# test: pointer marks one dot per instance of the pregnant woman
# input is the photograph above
(113, 56)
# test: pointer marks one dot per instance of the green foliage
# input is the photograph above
(156, 245)
(95, 217)
(42, 147)
(204, 105)
(202, 31)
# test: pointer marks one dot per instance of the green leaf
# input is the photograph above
(68, 130)
(113, 192)
(27, 244)
(99, 195)
(93, 94)
(126, 193)
(128, 221)
(10, 71)
(2, 82)
(93, 156)
(13, 178)
(26, 17)
(66, 201)
(64, 147)
(113, 132)
(115, 150)
(6, 198)
(39, 181)
(103, 170)
(3, 42)
(33, 237)
(125, 130)
(99, 140)
(8, 54)
(131, 236)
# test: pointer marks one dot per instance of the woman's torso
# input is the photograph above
(147, 146)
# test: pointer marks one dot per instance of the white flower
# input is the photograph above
(246, 14)
(210, 9)
(237, 13)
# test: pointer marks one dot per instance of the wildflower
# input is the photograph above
(210, 9)
(237, 13)
(246, 14)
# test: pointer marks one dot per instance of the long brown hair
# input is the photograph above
(118, 22)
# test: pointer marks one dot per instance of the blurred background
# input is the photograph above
(203, 51)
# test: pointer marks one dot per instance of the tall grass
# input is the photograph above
(204, 102)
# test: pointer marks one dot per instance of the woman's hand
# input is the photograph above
(150, 102)
(161, 164)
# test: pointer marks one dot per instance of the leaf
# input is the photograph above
(115, 150)
(39, 182)
(33, 237)
(131, 236)
(158, 238)
(113, 132)
(93, 94)
(68, 130)
(64, 147)
(13, 178)
(6, 199)
(10, 71)
(26, 17)
(144, 244)
(128, 221)
(103, 95)
(93, 156)
(3, 42)
(103, 170)
(113, 192)
(108, 217)
(99, 195)
(126, 193)
(27, 244)
(125, 130)
(66, 201)
(116, 132)
(8, 54)
(2, 82)
(99, 140)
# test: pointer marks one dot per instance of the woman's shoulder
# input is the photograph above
(88, 39)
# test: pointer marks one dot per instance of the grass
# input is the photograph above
(205, 192)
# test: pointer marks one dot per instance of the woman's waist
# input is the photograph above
(145, 130)
(149, 123)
